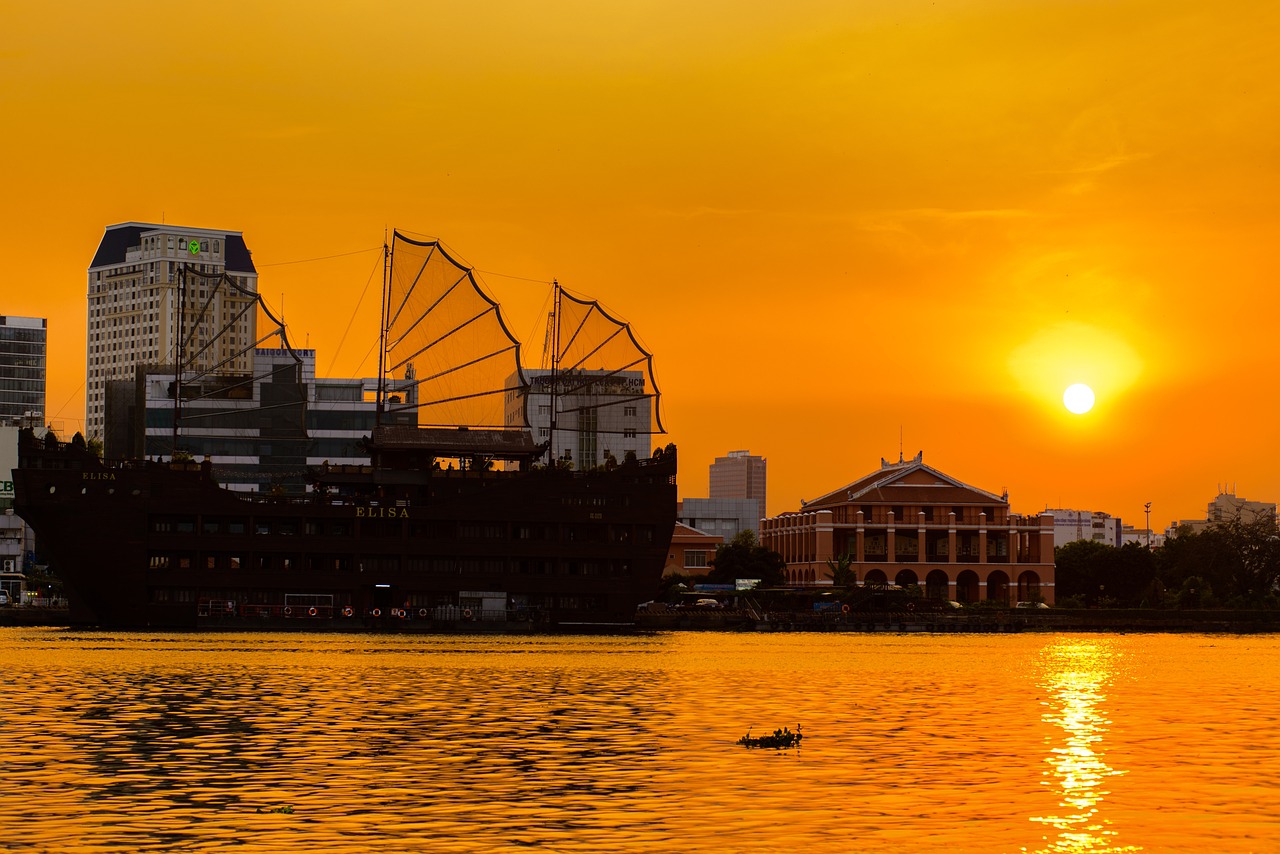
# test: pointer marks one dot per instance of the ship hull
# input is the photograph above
(163, 545)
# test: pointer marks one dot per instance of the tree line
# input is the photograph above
(1230, 564)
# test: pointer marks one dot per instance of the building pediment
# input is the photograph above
(906, 482)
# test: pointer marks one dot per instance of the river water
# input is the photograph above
(116, 742)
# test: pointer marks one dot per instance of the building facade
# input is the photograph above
(23, 351)
(740, 474)
(138, 316)
(1226, 507)
(692, 551)
(1070, 526)
(16, 539)
(259, 430)
(910, 524)
(598, 414)
(1144, 537)
(724, 517)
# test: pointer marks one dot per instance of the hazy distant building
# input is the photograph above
(724, 517)
(1072, 525)
(1144, 537)
(910, 524)
(740, 474)
(1226, 507)
(598, 413)
(23, 350)
(133, 305)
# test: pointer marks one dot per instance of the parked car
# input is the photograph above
(4, 598)
(707, 603)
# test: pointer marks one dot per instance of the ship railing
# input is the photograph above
(227, 609)
(221, 609)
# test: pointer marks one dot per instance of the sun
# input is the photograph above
(1078, 398)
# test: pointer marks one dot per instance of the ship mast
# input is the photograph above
(383, 321)
(555, 367)
(179, 354)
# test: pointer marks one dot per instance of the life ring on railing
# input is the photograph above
(288, 612)
(311, 612)
(844, 609)
(377, 612)
(422, 612)
(404, 613)
(466, 613)
(347, 612)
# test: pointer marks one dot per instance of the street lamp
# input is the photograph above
(1147, 507)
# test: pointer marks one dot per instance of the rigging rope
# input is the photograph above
(321, 258)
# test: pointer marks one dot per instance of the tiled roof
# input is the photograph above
(894, 484)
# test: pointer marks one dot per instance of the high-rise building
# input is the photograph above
(739, 475)
(22, 368)
(136, 314)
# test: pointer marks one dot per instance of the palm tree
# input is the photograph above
(842, 572)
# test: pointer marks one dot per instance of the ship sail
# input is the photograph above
(221, 326)
(599, 368)
(449, 359)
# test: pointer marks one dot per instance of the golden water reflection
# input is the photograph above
(1076, 673)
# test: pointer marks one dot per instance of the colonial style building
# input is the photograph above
(910, 524)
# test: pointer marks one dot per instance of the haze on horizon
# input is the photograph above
(833, 223)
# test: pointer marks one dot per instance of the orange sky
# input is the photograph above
(829, 220)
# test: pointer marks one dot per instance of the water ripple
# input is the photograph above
(122, 742)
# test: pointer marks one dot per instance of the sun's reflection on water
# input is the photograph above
(1076, 674)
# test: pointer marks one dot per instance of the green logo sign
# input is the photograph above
(194, 246)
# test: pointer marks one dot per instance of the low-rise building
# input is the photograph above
(1144, 537)
(691, 551)
(910, 524)
(259, 430)
(1070, 526)
(17, 541)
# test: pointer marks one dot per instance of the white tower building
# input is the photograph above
(133, 304)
